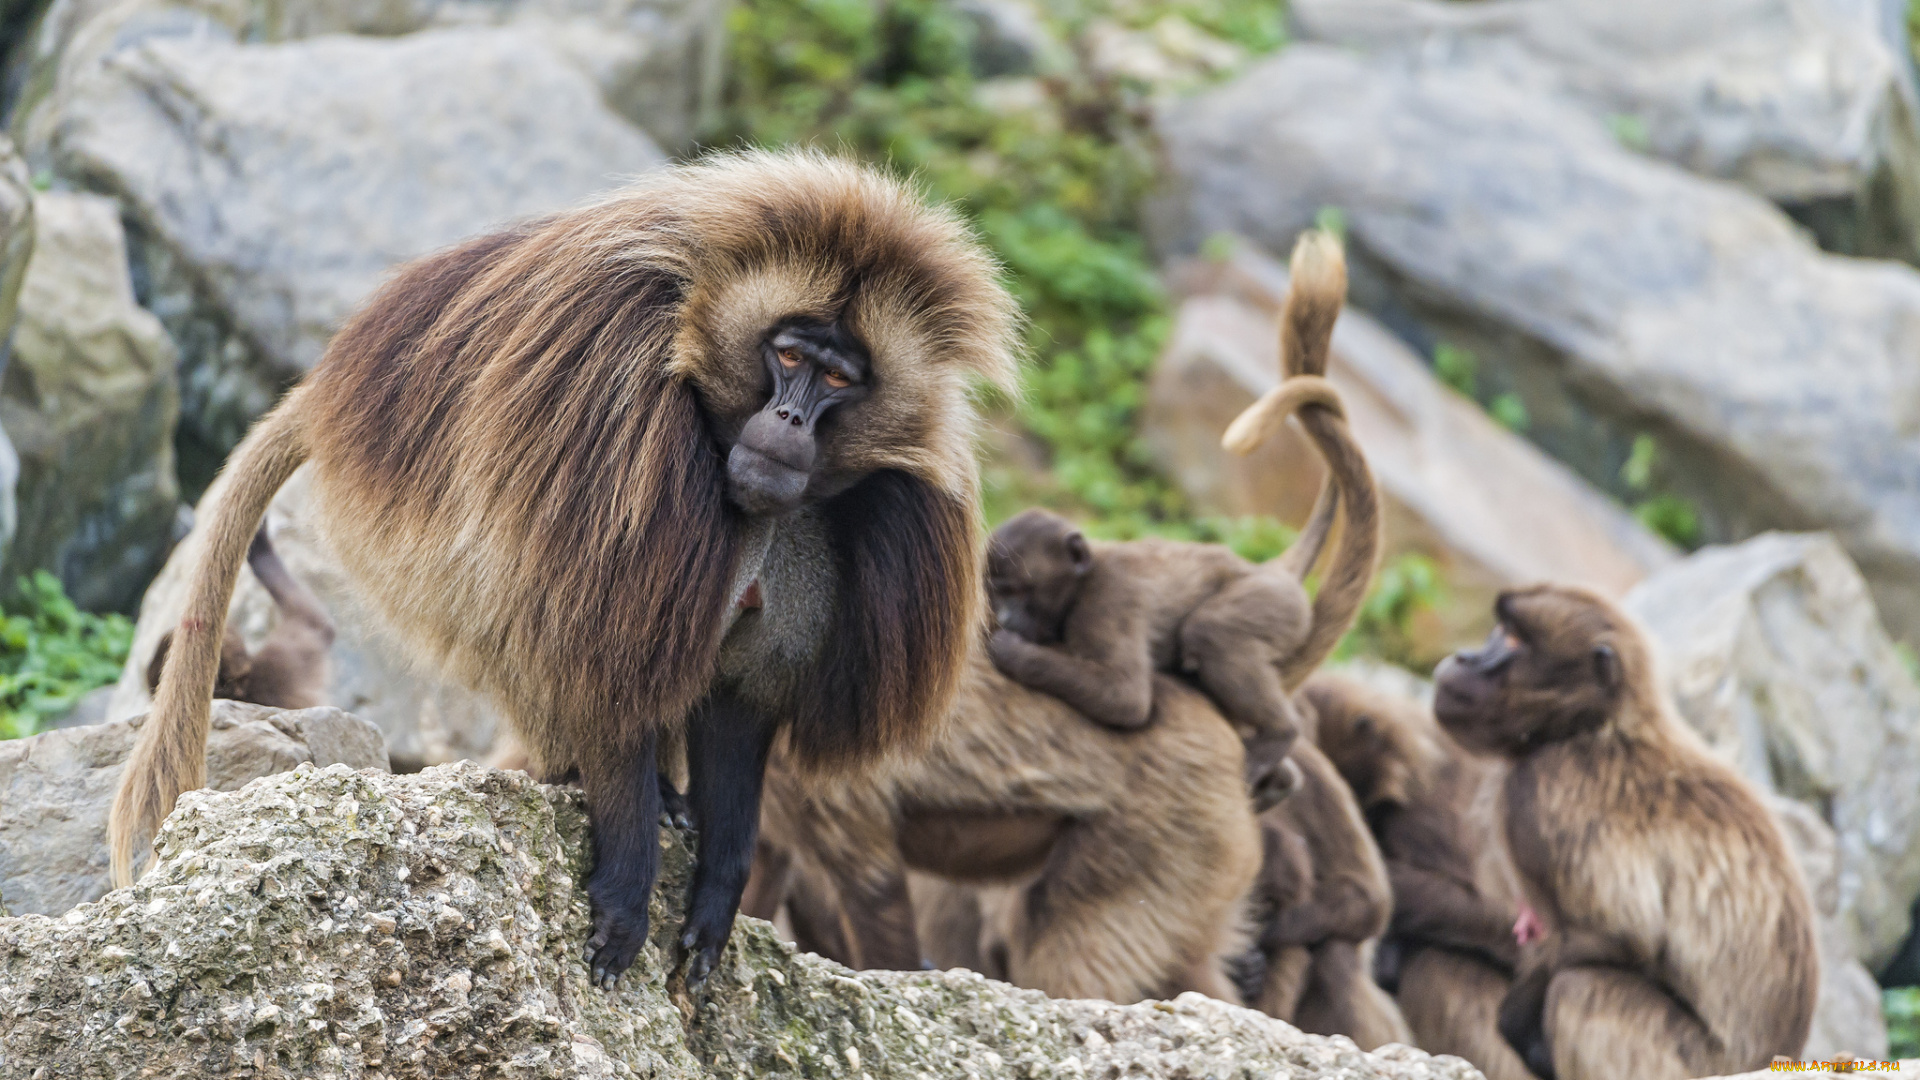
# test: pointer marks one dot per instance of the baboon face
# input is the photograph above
(814, 367)
(1555, 665)
(1035, 564)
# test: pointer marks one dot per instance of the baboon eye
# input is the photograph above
(837, 380)
(789, 359)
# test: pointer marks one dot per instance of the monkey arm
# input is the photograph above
(1437, 909)
(1343, 907)
(1114, 687)
(296, 602)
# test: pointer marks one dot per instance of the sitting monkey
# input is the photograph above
(290, 670)
(1667, 931)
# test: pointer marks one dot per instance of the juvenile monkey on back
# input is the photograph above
(1678, 938)
(1090, 623)
(696, 458)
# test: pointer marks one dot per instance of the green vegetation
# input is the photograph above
(1902, 1007)
(51, 653)
(1404, 587)
(1667, 514)
(1457, 367)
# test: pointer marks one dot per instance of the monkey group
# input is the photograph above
(684, 480)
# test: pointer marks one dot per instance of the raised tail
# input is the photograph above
(1315, 295)
(171, 756)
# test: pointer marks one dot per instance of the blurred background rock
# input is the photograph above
(1632, 306)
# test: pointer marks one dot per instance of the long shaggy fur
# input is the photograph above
(519, 446)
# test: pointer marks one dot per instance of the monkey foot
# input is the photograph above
(615, 943)
(1528, 928)
(702, 944)
(674, 804)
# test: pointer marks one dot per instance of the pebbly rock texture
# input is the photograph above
(1489, 508)
(425, 721)
(1615, 295)
(1774, 653)
(55, 789)
(330, 923)
(271, 187)
(1810, 103)
(90, 399)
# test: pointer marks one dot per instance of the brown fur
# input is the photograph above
(1138, 894)
(290, 670)
(1679, 935)
(520, 449)
(1321, 902)
(1449, 950)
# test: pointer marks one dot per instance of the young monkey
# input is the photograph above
(1090, 623)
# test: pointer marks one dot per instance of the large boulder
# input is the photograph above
(55, 789)
(1489, 508)
(271, 187)
(425, 721)
(1773, 652)
(1846, 1014)
(333, 923)
(1808, 102)
(1616, 295)
(90, 400)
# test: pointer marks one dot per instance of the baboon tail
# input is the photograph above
(1314, 297)
(171, 755)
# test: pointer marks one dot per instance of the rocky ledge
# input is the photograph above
(333, 923)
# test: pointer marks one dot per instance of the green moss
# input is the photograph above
(51, 653)
(1902, 1007)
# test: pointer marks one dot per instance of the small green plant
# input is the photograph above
(1901, 1004)
(1908, 658)
(1630, 131)
(1457, 367)
(1333, 220)
(1666, 514)
(51, 653)
(1509, 412)
(1405, 586)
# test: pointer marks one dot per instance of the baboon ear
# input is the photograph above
(1079, 552)
(1606, 666)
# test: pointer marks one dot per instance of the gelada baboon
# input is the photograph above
(290, 670)
(1118, 861)
(1090, 622)
(1449, 950)
(697, 456)
(1678, 935)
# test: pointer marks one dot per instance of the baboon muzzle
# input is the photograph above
(769, 467)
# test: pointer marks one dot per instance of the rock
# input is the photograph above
(90, 400)
(90, 709)
(341, 923)
(1011, 39)
(56, 787)
(272, 187)
(1774, 653)
(1490, 509)
(1615, 295)
(425, 721)
(1810, 104)
(1846, 1014)
(16, 245)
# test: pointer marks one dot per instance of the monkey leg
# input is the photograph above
(1452, 1001)
(623, 806)
(1233, 644)
(1285, 984)
(727, 748)
(1341, 998)
(1608, 1022)
(768, 882)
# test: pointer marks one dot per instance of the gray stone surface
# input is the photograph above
(90, 400)
(1487, 506)
(331, 923)
(1808, 102)
(273, 186)
(55, 789)
(426, 721)
(1774, 653)
(1617, 295)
